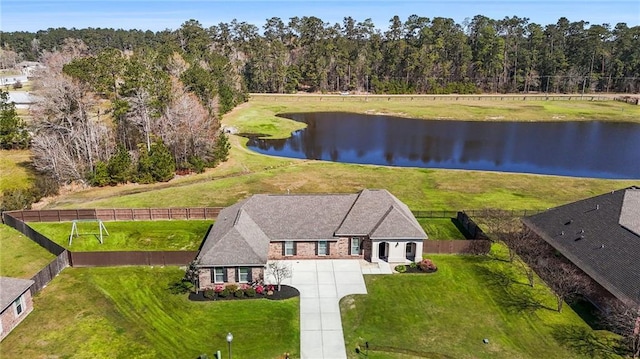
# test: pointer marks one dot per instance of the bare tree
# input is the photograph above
(523, 243)
(565, 279)
(624, 319)
(279, 271)
(69, 138)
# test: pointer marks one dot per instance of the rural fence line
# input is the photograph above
(367, 98)
(479, 213)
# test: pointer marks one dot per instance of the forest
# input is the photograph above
(416, 55)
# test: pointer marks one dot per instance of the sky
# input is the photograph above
(34, 15)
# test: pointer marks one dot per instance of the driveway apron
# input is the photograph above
(321, 284)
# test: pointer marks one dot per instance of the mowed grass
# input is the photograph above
(447, 314)
(248, 173)
(128, 235)
(15, 170)
(129, 312)
(440, 228)
(20, 257)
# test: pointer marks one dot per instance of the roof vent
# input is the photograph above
(578, 239)
(568, 222)
(602, 246)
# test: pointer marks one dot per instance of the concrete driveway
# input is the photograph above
(321, 284)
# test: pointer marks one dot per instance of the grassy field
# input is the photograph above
(20, 257)
(128, 235)
(15, 170)
(247, 172)
(440, 228)
(129, 312)
(448, 314)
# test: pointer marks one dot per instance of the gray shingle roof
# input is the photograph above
(588, 232)
(242, 232)
(12, 288)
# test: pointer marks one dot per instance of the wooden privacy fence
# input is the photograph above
(131, 258)
(115, 214)
(20, 226)
(470, 226)
(451, 97)
(42, 278)
(460, 246)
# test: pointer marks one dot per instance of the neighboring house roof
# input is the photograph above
(242, 232)
(12, 288)
(601, 236)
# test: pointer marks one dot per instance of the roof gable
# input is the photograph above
(395, 225)
(630, 212)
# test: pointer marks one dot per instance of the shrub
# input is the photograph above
(225, 293)
(209, 293)
(250, 292)
(239, 293)
(426, 265)
(218, 288)
(413, 265)
(232, 287)
(260, 289)
(401, 268)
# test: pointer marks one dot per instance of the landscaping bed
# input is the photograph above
(425, 266)
(285, 292)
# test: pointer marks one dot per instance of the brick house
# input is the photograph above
(601, 236)
(15, 301)
(372, 224)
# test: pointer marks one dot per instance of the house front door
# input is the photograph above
(383, 249)
(411, 251)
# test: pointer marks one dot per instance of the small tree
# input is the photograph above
(221, 150)
(525, 244)
(163, 166)
(280, 271)
(192, 274)
(565, 279)
(119, 166)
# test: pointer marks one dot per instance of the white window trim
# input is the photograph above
(240, 274)
(292, 248)
(326, 248)
(355, 240)
(215, 274)
(22, 306)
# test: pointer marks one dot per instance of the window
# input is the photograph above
(355, 246)
(243, 274)
(18, 306)
(322, 248)
(218, 275)
(288, 248)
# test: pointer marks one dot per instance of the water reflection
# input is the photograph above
(584, 149)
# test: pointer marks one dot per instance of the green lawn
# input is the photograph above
(128, 235)
(129, 312)
(440, 228)
(448, 314)
(20, 257)
(15, 169)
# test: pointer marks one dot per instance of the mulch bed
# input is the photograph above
(285, 292)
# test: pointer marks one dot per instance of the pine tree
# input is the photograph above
(13, 130)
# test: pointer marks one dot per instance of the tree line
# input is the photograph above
(416, 55)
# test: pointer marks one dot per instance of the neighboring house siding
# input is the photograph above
(8, 317)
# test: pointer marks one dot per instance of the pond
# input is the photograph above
(580, 149)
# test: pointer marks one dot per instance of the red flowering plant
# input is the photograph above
(260, 289)
(218, 288)
(427, 265)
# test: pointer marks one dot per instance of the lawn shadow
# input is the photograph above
(513, 298)
(587, 342)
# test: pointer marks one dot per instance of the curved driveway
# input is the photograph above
(321, 284)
